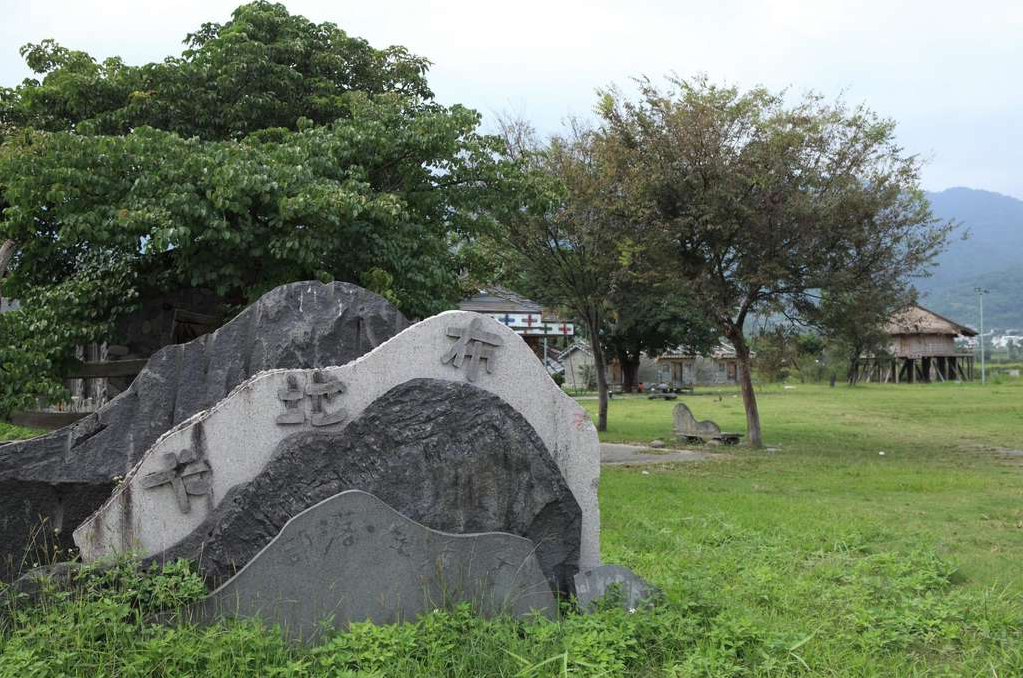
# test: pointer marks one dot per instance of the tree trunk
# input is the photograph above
(630, 371)
(853, 373)
(749, 398)
(599, 366)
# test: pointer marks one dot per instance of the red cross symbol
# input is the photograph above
(564, 328)
(529, 320)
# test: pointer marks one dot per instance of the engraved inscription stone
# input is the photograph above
(186, 473)
(689, 429)
(473, 343)
(352, 558)
(446, 454)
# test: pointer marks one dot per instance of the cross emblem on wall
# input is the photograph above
(473, 343)
(186, 473)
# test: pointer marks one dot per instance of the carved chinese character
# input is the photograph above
(324, 389)
(292, 398)
(186, 473)
(399, 541)
(475, 344)
(294, 549)
(319, 390)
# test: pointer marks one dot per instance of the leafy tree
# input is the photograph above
(649, 318)
(761, 206)
(562, 246)
(33, 343)
(271, 150)
(777, 352)
(854, 319)
(263, 69)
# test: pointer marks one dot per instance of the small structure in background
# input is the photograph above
(577, 362)
(663, 392)
(922, 349)
(541, 329)
(680, 369)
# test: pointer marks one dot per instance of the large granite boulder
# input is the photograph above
(58, 479)
(449, 455)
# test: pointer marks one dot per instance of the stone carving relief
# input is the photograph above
(186, 473)
(321, 390)
(473, 343)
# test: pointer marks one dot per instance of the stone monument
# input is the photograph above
(64, 476)
(453, 422)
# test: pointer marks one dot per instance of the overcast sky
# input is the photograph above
(951, 73)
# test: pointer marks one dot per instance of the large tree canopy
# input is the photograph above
(763, 207)
(265, 68)
(273, 149)
(377, 193)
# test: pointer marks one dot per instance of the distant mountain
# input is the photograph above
(990, 257)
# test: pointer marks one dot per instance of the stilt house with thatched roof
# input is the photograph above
(922, 349)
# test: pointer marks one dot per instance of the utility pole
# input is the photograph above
(983, 371)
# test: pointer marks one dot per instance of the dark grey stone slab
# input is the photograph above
(593, 585)
(447, 454)
(353, 558)
(64, 476)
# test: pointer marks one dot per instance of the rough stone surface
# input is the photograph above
(656, 444)
(592, 585)
(446, 454)
(353, 558)
(240, 435)
(36, 519)
(65, 475)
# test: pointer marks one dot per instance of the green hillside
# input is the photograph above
(985, 251)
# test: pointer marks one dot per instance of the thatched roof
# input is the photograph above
(919, 320)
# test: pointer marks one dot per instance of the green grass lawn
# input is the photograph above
(821, 558)
(900, 564)
(10, 432)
